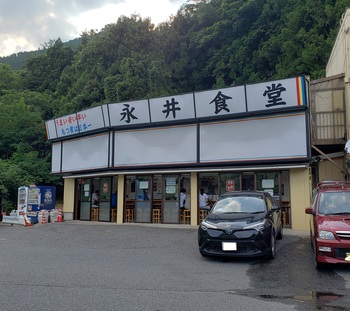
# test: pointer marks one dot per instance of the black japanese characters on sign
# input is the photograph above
(130, 113)
(273, 93)
(220, 102)
(211, 103)
(127, 115)
(277, 94)
(171, 107)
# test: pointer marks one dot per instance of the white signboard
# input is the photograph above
(129, 113)
(273, 138)
(56, 157)
(220, 102)
(67, 125)
(267, 183)
(170, 189)
(143, 184)
(172, 108)
(83, 121)
(85, 153)
(50, 129)
(276, 94)
(258, 139)
(174, 144)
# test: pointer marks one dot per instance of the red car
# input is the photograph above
(330, 224)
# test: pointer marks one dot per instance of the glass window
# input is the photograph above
(143, 189)
(171, 188)
(248, 181)
(130, 187)
(229, 182)
(105, 189)
(239, 204)
(210, 183)
(268, 181)
(85, 190)
(185, 183)
(157, 187)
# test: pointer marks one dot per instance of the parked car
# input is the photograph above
(241, 224)
(330, 223)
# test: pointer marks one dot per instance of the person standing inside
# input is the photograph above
(203, 200)
(114, 200)
(96, 198)
(183, 198)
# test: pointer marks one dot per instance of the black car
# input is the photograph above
(241, 224)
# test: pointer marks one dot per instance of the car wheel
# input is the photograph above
(280, 234)
(272, 252)
(318, 265)
(311, 243)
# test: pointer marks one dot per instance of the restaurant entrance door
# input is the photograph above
(171, 208)
(85, 199)
(143, 199)
(105, 199)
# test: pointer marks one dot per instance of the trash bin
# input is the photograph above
(53, 215)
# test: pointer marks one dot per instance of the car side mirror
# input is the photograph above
(309, 210)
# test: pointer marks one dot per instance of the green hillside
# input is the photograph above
(206, 45)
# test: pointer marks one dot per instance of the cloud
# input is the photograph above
(28, 25)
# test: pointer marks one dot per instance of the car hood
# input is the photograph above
(334, 222)
(235, 221)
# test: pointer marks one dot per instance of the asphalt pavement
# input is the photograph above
(78, 265)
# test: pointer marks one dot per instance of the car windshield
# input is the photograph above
(239, 204)
(333, 203)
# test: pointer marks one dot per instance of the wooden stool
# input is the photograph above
(156, 215)
(114, 215)
(129, 215)
(185, 216)
(202, 215)
(94, 214)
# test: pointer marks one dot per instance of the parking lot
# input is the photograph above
(104, 266)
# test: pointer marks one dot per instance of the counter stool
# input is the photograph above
(129, 215)
(94, 214)
(114, 215)
(156, 215)
(202, 215)
(185, 216)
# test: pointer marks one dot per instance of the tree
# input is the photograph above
(43, 72)
(10, 79)
(20, 124)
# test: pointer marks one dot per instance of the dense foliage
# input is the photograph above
(207, 44)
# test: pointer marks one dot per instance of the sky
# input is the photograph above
(26, 25)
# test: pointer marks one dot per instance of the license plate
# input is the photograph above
(229, 246)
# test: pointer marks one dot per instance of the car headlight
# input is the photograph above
(326, 235)
(207, 225)
(257, 226)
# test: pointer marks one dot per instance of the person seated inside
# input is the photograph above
(203, 200)
(183, 198)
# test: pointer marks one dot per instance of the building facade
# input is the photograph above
(338, 66)
(329, 111)
(140, 154)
